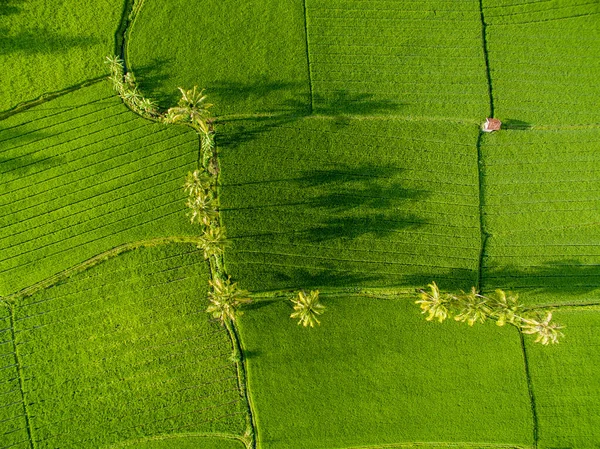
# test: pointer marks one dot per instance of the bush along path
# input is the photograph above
(203, 203)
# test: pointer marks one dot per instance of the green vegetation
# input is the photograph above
(307, 307)
(225, 298)
(474, 307)
(332, 202)
(567, 385)
(375, 373)
(47, 45)
(125, 351)
(83, 177)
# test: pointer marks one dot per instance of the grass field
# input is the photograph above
(81, 175)
(374, 373)
(52, 45)
(566, 382)
(334, 202)
(125, 351)
(350, 160)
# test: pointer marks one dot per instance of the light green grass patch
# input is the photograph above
(184, 442)
(545, 60)
(376, 373)
(542, 210)
(49, 45)
(566, 383)
(83, 174)
(340, 202)
(125, 351)
(420, 58)
(250, 55)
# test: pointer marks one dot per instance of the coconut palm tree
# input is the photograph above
(506, 309)
(473, 308)
(307, 307)
(546, 331)
(434, 304)
(193, 108)
(197, 182)
(212, 242)
(203, 208)
(225, 298)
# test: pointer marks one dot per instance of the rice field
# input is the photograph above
(350, 160)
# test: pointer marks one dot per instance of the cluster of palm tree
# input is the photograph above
(125, 85)
(473, 307)
(193, 109)
(307, 307)
(225, 299)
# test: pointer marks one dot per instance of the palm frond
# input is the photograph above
(307, 307)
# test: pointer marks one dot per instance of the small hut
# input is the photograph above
(491, 124)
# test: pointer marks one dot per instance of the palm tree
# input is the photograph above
(307, 307)
(193, 108)
(473, 308)
(203, 209)
(434, 304)
(225, 298)
(212, 242)
(546, 332)
(197, 182)
(506, 309)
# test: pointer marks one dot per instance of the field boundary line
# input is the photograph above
(102, 257)
(308, 65)
(534, 416)
(48, 96)
(483, 233)
(486, 57)
(442, 445)
(20, 376)
(174, 436)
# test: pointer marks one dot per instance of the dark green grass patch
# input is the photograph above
(81, 175)
(545, 60)
(376, 373)
(49, 45)
(250, 55)
(346, 203)
(125, 351)
(542, 209)
(566, 383)
(408, 58)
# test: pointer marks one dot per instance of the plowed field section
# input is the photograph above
(124, 351)
(82, 174)
(336, 202)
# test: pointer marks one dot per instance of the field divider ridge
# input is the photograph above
(20, 375)
(102, 257)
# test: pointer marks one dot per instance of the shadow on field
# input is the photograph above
(341, 106)
(36, 40)
(151, 78)
(517, 125)
(315, 278)
(568, 276)
(354, 201)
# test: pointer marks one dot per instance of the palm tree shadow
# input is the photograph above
(355, 201)
(8, 7)
(152, 77)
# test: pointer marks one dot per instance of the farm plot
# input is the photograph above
(542, 210)
(544, 60)
(337, 202)
(81, 175)
(125, 351)
(49, 45)
(376, 373)
(566, 383)
(250, 55)
(420, 58)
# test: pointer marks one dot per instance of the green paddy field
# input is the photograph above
(350, 160)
